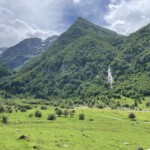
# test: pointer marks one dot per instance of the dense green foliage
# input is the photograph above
(3, 71)
(76, 65)
(131, 68)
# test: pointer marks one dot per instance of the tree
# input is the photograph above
(38, 114)
(4, 119)
(2, 109)
(51, 117)
(72, 112)
(59, 112)
(81, 117)
(66, 113)
(132, 116)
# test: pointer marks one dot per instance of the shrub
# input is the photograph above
(27, 107)
(30, 115)
(43, 107)
(66, 113)
(59, 112)
(140, 148)
(100, 106)
(132, 116)
(51, 117)
(91, 119)
(9, 109)
(72, 112)
(148, 104)
(38, 114)
(23, 109)
(56, 108)
(81, 117)
(2, 109)
(4, 119)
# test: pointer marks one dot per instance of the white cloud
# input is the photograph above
(126, 16)
(76, 1)
(35, 18)
(25, 19)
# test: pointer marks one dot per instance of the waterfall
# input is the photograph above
(110, 78)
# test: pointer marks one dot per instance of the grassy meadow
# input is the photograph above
(102, 129)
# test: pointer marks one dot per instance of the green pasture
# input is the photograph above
(109, 130)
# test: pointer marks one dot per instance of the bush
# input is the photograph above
(2, 109)
(4, 119)
(91, 119)
(66, 113)
(30, 115)
(140, 148)
(43, 107)
(72, 112)
(100, 106)
(56, 108)
(23, 109)
(9, 109)
(132, 116)
(51, 117)
(81, 117)
(38, 114)
(27, 107)
(148, 104)
(59, 112)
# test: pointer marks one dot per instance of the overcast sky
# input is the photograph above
(20, 19)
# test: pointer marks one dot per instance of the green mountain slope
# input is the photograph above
(131, 68)
(74, 66)
(18, 55)
(3, 71)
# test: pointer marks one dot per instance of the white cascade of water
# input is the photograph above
(110, 78)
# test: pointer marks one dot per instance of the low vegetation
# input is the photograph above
(5, 119)
(51, 117)
(61, 128)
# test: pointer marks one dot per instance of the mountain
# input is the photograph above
(2, 49)
(18, 55)
(131, 67)
(75, 65)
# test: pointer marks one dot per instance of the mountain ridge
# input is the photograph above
(19, 54)
(77, 64)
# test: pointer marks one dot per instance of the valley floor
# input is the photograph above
(102, 129)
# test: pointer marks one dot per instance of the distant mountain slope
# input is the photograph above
(18, 55)
(131, 68)
(2, 49)
(75, 65)
(3, 71)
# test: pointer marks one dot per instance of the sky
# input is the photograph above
(20, 19)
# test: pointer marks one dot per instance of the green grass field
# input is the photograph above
(109, 130)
